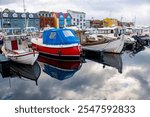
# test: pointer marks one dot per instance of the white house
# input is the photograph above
(78, 18)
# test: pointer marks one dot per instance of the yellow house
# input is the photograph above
(109, 22)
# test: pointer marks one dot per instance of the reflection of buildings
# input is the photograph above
(23, 71)
(12, 19)
(107, 59)
(58, 69)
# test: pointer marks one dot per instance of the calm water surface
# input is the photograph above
(125, 76)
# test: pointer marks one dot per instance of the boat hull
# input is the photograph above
(66, 51)
(28, 58)
(114, 46)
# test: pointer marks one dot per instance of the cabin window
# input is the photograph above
(68, 33)
(112, 31)
(52, 35)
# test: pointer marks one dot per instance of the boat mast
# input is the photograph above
(1, 18)
(24, 9)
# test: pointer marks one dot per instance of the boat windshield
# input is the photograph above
(68, 33)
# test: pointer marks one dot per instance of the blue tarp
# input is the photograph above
(59, 37)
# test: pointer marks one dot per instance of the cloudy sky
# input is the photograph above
(130, 10)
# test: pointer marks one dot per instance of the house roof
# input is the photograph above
(66, 15)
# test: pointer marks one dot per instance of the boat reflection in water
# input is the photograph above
(107, 59)
(59, 69)
(24, 71)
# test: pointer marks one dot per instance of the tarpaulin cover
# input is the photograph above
(59, 37)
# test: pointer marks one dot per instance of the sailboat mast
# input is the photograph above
(24, 8)
(1, 18)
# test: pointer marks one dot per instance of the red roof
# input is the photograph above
(57, 15)
(65, 14)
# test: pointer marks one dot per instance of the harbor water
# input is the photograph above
(100, 77)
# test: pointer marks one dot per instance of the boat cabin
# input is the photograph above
(110, 31)
(91, 31)
(16, 42)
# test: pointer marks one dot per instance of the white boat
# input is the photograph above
(16, 48)
(106, 45)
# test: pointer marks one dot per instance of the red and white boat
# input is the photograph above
(16, 48)
(58, 42)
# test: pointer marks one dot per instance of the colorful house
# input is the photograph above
(96, 23)
(109, 22)
(61, 19)
(68, 19)
(12, 19)
(78, 18)
(54, 19)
